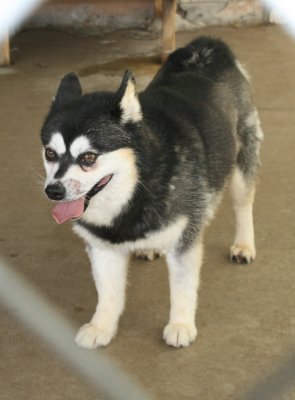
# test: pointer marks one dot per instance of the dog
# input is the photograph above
(145, 172)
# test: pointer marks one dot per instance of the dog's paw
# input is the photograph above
(180, 335)
(148, 255)
(90, 336)
(242, 254)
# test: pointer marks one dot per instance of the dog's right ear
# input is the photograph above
(69, 89)
(126, 105)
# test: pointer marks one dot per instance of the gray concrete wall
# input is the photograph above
(96, 16)
(220, 12)
(92, 16)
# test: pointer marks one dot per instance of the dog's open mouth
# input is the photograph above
(65, 210)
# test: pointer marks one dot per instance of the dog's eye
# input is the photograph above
(50, 155)
(87, 159)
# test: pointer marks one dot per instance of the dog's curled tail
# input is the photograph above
(205, 55)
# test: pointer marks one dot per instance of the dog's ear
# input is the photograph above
(127, 106)
(69, 89)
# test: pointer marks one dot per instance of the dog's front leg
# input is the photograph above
(184, 270)
(109, 271)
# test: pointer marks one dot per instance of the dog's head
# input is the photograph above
(88, 145)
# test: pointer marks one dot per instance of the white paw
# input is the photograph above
(242, 254)
(180, 335)
(90, 336)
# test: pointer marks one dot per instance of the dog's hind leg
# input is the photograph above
(184, 273)
(243, 189)
(243, 192)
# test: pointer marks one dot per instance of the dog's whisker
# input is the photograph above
(144, 186)
(43, 178)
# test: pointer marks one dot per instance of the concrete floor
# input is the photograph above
(246, 317)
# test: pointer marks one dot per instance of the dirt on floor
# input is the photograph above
(246, 314)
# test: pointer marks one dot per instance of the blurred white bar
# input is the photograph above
(13, 12)
(284, 11)
(29, 305)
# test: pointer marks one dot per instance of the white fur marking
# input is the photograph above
(164, 240)
(51, 169)
(80, 146)
(108, 203)
(251, 119)
(130, 106)
(254, 120)
(243, 71)
(57, 143)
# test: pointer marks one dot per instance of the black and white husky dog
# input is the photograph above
(145, 172)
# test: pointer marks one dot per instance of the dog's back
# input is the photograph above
(194, 101)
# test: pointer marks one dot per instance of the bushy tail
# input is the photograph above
(205, 54)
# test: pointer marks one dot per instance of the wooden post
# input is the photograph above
(158, 5)
(5, 51)
(168, 39)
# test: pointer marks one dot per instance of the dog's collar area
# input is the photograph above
(96, 188)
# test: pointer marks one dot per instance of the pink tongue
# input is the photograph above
(68, 210)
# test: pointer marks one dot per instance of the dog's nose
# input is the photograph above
(56, 191)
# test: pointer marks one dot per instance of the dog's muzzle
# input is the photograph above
(72, 209)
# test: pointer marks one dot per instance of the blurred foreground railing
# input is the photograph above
(42, 318)
(277, 385)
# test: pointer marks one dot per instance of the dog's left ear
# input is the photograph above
(69, 89)
(127, 106)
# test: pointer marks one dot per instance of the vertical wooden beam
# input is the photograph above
(158, 5)
(168, 38)
(5, 51)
